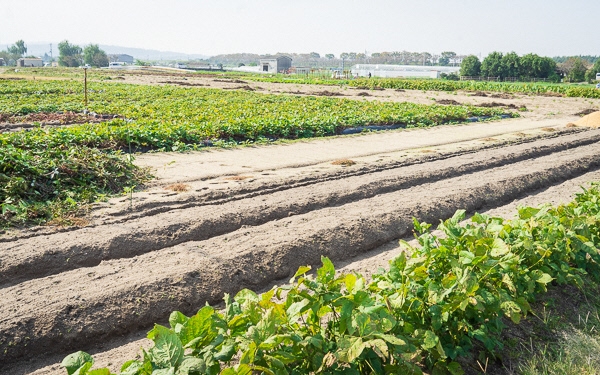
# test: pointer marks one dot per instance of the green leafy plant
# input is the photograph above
(437, 302)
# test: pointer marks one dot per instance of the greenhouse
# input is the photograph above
(390, 71)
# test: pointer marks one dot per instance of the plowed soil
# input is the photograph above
(249, 217)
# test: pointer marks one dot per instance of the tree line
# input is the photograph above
(70, 55)
(511, 65)
(314, 59)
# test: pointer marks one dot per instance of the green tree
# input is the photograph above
(444, 60)
(534, 66)
(330, 56)
(491, 66)
(510, 65)
(94, 56)
(470, 66)
(18, 49)
(590, 75)
(574, 69)
(69, 54)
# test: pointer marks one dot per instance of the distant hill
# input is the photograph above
(39, 49)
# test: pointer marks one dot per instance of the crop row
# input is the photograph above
(442, 85)
(41, 166)
(161, 116)
(539, 88)
(435, 304)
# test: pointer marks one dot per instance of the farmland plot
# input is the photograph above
(236, 222)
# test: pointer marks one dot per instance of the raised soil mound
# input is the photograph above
(591, 121)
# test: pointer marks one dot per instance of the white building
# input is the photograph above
(127, 59)
(408, 71)
(275, 64)
(24, 62)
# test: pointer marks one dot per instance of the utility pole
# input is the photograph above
(85, 86)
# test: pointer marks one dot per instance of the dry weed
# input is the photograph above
(548, 129)
(179, 187)
(344, 162)
(237, 178)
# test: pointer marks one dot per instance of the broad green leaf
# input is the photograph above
(273, 341)
(326, 273)
(191, 365)
(131, 367)
(544, 279)
(245, 295)
(356, 349)
(466, 257)
(164, 371)
(296, 309)
(168, 350)
(228, 349)
(350, 281)
(394, 340)
(455, 368)
(99, 371)
(74, 361)
(499, 248)
(249, 354)
(301, 271)
(199, 326)
(177, 317)
(379, 347)
(506, 280)
(430, 340)
(83, 370)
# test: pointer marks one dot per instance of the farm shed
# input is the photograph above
(127, 59)
(275, 64)
(302, 70)
(392, 71)
(29, 62)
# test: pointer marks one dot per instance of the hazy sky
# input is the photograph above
(545, 27)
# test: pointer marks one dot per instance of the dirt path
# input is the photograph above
(130, 270)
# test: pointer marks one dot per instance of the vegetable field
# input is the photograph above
(431, 306)
(441, 85)
(169, 251)
(43, 170)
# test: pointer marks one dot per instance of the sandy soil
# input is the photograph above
(221, 220)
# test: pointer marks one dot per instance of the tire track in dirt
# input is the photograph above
(66, 311)
(87, 247)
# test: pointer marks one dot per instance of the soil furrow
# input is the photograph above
(38, 257)
(65, 311)
(59, 252)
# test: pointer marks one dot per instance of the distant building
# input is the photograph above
(301, 70)
(2, 63)
(409, 71)
(24, 62)
(275, 64)
(127, 59)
